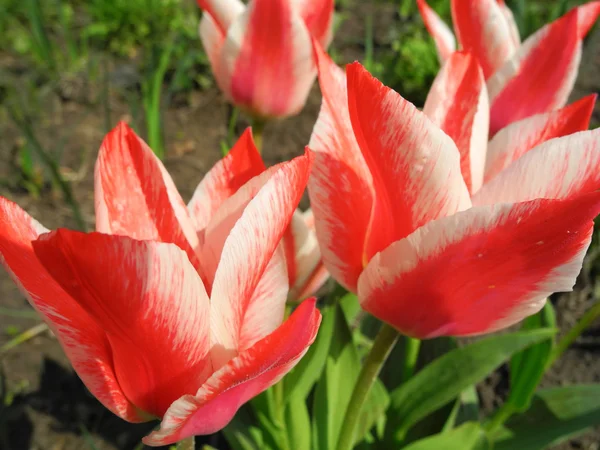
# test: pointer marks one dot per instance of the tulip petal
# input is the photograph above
(340, 184)
(242, 378)
(150, 302)
(458, 104)
(540, 76)
(441, 33)
(238, 321)
(482, 29)
(318, 17)
(304, 259)
(268, 56)
(136, 197)
(223, 12)
(513, 141)
(480, 270)
(564, 167)
(213, 39)
(83, 341)
(415, 165)
(227, 176)
(512, 24)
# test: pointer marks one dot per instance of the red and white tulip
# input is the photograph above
(523, 79)
(158, 320)
(405, 219)
(261, 54)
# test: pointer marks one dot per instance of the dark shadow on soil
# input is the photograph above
(62, 396)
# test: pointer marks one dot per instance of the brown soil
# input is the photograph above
(50, 408)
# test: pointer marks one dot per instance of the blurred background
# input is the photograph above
(69, 70)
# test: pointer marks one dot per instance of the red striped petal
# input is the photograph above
(136, 197)
(441, 33)
(83, 340)
(480, 270)
(458, 104)
(318, 17)
(268, 55)
(564, 167)
(149, 301)
(415, 165)
(513, 141)
(223, 12)
(540, 77)
(340, 184)
(242, 378)
(238, 317)
(482, 29)
(241, 164)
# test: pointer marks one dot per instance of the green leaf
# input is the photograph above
(444, 379)
(556, 414)
(528, 366)
(469, 436)
(297, 422)
(336, 384)
(299, 382)
(241, 434)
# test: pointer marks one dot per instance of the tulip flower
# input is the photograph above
(152, 328)
(306, 272)
(534, 77)
(397, 224)
(261, 54)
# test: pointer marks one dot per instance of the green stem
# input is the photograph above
(588, 318)
(411, 355)
(186, 444)
(384, 342)
(258, 126)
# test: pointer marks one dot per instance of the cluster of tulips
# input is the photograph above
(458, 219)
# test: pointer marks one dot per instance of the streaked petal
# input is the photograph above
(248, 249)
(540, 76)
(512, 25)
(82, 339)
(150, 302)
(318, 17)
(513, 141)
(480, 270)
(340, 184)
(304, 259)
(241, 164)
(482, 29)
(213, 39)
(136, 197)
(223, 12)
(441, 33)
(458, 104)
(564, 167)
(268, 50)
(242, 378)
(415, 165)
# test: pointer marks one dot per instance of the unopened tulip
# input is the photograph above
(154, 330)
(261, 54)
(523, 79)
(391, 194)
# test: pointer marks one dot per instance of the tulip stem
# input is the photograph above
(382, 346)
(411, 355)
(588, 318)
(258, 126)
(186, 444)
